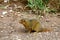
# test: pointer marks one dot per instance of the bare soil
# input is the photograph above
(11, 29)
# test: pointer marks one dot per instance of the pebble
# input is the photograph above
(19, 39)
(1, 31)
(4, 12)
(10, 10)
(6, 0)
(47, 20)
(2, 16)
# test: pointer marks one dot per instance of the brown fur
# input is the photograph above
(33, 25)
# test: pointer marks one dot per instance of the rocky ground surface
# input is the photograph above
(11, 29)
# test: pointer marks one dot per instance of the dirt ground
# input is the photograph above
(11, 29)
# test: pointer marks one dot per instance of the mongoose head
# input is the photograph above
(22, 21)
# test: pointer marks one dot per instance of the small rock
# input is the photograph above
(10, 10)
(4, 12)
(1, 31)
(47, 20)
(52, 25)
(2, 16)
(6, 0)
(19, 39)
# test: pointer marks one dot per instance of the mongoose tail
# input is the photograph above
(45, 30)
